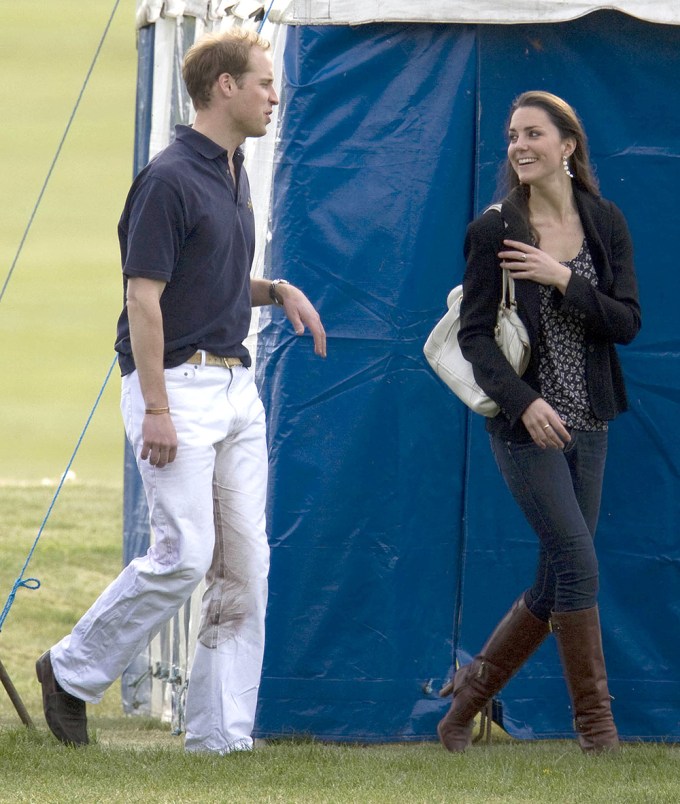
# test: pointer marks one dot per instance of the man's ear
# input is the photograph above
(226, 84)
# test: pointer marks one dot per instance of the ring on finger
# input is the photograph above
(523, 257)
(546, 426)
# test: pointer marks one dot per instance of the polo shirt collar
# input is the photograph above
(201, 144)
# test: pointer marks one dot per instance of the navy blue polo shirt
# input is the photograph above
(185, 223)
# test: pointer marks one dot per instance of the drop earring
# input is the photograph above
(565, 165)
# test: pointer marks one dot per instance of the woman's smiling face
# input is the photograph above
(536, 147)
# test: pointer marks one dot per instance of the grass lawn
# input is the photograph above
(59, 309)
(138, 760)
(141, 766)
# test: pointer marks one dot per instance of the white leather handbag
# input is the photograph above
(444, 355)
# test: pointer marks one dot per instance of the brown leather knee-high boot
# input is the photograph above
(579, 642)
(513, 640)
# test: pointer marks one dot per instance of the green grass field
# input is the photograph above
(137, 760)
(59, 310)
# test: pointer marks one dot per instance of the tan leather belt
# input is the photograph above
(213, 360)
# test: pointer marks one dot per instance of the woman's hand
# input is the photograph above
(545, 426)
(529, 262)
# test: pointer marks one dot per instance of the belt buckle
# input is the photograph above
(230, 362)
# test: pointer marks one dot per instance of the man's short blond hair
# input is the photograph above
(214, 54)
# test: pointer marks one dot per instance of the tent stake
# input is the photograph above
(14, 697)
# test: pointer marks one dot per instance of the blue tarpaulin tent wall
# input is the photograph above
(395, 546)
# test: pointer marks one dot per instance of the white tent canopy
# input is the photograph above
(358, 12)
(353, 12)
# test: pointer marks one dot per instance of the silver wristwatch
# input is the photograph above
(273, 295)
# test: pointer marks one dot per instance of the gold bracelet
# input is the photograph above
(157, 411)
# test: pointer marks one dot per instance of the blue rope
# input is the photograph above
(56, 156)
(34, 583)
(264, 19)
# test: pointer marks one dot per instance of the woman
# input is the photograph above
(571, 255)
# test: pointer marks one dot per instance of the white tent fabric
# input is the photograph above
(149, 11)
(496, 12)
(358, 12)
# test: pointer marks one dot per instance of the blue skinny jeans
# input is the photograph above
(559, 493)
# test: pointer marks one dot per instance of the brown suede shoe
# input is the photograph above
(65, 714)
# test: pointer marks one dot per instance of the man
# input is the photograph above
(191, 412)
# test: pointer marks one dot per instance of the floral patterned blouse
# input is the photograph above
(562, 354)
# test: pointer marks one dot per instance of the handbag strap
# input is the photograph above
(508, 297)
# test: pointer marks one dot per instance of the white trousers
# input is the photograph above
(207, 514)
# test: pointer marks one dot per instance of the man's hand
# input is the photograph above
(302, 313)
(159, 440)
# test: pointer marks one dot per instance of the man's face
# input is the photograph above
(255, 97)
